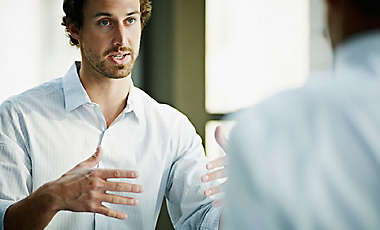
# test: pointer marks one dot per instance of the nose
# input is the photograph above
(120, 35)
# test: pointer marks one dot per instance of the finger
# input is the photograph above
(111, 213)
(220, 162)
(214, 190)
(221, 173)
(114, 199)
(115, 173)
(92, 161)
(123, 187)
(221, 138)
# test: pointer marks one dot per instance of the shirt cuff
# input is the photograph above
(211, 220)
(4, 205)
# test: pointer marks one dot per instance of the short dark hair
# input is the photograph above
(74, 14)
(370, 8)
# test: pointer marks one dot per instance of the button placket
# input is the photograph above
(102, 144)
(98, 223)
(102, 120)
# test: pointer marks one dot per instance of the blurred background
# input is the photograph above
(207, 58)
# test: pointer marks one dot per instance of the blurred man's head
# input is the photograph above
(350, 17)
(371, 8)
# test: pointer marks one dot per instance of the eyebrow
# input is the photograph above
(104, 14)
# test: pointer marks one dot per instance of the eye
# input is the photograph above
(131, 20)
(104, 22)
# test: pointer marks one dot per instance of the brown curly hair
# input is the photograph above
(74, 14)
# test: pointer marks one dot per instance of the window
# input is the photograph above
(255, 49)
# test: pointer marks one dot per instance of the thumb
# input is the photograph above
(220, 138)
(92, 161)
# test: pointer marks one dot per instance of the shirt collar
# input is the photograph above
(75, 95)
(359, 54)
(134, 104)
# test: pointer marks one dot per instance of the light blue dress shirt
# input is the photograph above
(49, 129)
(309, 158)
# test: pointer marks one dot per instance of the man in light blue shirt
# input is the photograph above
(50, 176)
(309, 158)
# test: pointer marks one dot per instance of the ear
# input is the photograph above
(74, 31)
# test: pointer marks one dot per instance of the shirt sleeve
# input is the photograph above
(271, 172)
(15, 164)
(4, 205)
(188, 207)
(262, 190)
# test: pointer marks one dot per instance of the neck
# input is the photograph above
(110, 94)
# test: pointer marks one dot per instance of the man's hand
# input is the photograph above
(82, 189)
(216, 168)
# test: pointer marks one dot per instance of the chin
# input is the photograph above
(117, 74)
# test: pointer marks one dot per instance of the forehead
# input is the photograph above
(114, 7)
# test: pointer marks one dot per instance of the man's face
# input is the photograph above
(110, 36)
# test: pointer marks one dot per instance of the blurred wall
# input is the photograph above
(320, 50)
(35, 48)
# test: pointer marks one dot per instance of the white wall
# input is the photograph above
(34, 46)
(320, 48)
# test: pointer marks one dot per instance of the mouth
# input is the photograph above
(119, 58)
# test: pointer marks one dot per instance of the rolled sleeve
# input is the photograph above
(15, 164)
(15, 181)
(4, 205)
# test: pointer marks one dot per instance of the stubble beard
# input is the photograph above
(105, 67)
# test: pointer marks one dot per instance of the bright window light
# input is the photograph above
(34, 45)
(253, 50)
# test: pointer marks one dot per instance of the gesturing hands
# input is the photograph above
(83, 188)
(216, 168)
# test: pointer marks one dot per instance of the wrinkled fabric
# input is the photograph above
(46, 131)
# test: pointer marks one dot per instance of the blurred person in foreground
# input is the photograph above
(309, 158)
(50, 176)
